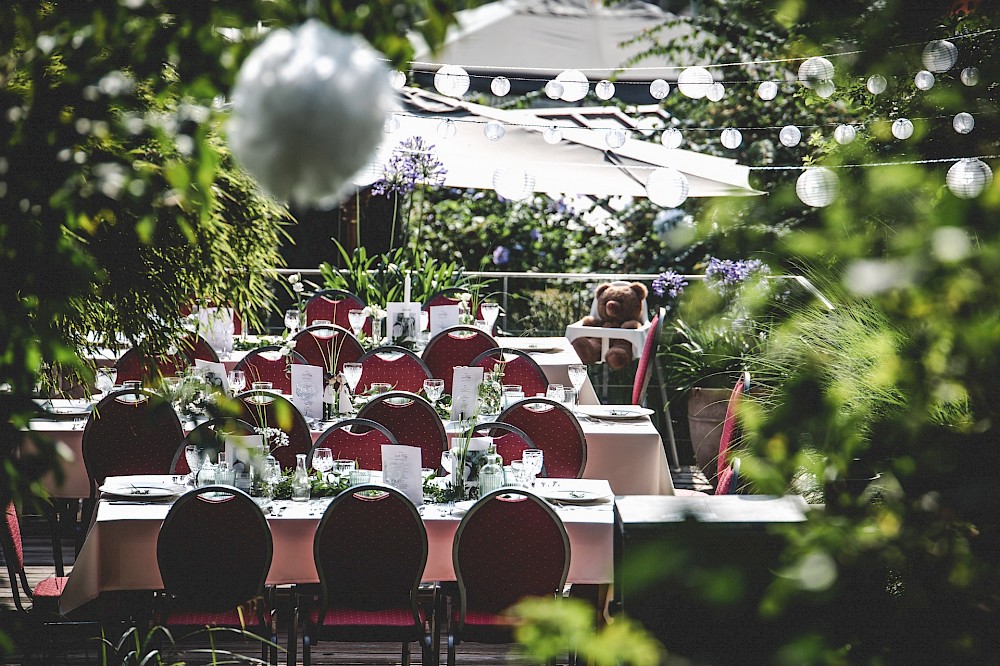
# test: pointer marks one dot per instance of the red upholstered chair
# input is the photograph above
(519, 369)
(453, 347)
(509, 440)
(210, 435)
(729, 480)
(729, 426)
(647, 360)
(214, 551)
(264, 409)
(133, 365)
(334, 305)
(355, 439)
(268, 364)
(368, 583)
(412, 420)
(44, 597)
(510, 545)
(397, 366)
(554, 429)
(328, 346)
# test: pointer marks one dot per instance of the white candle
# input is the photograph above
(406, 288)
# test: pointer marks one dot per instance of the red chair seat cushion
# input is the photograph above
(484, 619)
(50, 588)
(388, 617)
(197, 617)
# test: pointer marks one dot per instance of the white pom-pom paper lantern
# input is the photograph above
(817, 187)
(940, 56)
(667, 187)
(446, 129)
(731, 138)
(500, 86)
(494, 130)
(308, 109)
(767, 90)
(452, 81)
(615, 138)
(970, 76)
(658, 88)
(844, 134)
(552, 135)
(513, 184)
(672, 138)
(693, 82)
(902, 128)
(554, 89)
(923, 80)
(604, 89)
(789, 136)
(575, 85)
(814, 70)
(963, 122)
(715, 92)
(876, 84)
(968, 177)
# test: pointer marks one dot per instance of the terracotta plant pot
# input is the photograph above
(706, 414)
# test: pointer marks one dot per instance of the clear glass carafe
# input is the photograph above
(491, 472)
(300, 481)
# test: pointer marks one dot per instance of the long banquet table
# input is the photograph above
(120, 550)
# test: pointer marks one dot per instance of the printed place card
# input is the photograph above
(307, 390)
(465, 391)
(401, 470)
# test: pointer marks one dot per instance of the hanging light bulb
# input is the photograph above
(451, 80)
(968, 177)
(500, 86)
(963, 122)
(604, 89)
(552, 135)
(672, 138)
(970, 76)
(767, 90)
(817, 187)
(446, 128)
(693, 82)
(397, 79)
(667, 187)
(789, 136)
(731, 138)
(715, 92)
(876, 84)
(902, 128)
(494, 130)
(844, 134)
(940, 55)
(658, 88)
(924, 80)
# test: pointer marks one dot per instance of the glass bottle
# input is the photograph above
(300, 481)
(491, 472)
(490, 393)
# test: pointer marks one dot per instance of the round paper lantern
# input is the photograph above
(731, 138)
(494, 130)
(940, 55)
(451, 80)
(693, 82)
(815, 69)
(615, 138)
(672, 138)
(575, 85)
(658, 88)
(554, 89)
(968, 177)
(513, 184)
(397, 79)
(824, 88)
(604, 89)
(391, 124)
(789, 136)
(877, 84)
(715, 92)
(844, 134)
(970, 76)
(446, 129)
(902, 128)
(767, 90)
(552, 135)
(667, 187)
(924, 80)
(963, 122)
(308, 108)
(817, 187)
(500, 86)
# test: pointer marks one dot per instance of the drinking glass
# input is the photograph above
(520, 473)
(292, 321)
(577, 375)
(262, 386)
(434, 388)
(322, 460)
(356, 318)
(381, 387)
(490, 313)
(556, 392)
(532, 459)
(343, 467)
(104, 382)
(224, 474)
(237, 380)
(359, 477)
(352, 375)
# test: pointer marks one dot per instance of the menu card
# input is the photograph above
(307, 390)
(403, 320)
(401, 470)
(215, 374)
(442, 317)
(465, 391)
(241, 450)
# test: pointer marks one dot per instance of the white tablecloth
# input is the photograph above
(120, 550)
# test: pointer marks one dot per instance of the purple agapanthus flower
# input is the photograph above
(723, 273)
(412, 163)
(535, 235)
(501, 255)
(669, 282)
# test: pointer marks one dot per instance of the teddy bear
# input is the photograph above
(618, 305)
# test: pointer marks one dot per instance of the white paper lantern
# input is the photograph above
(513, 184)
(446, 129)
(924, 80)
(789, 136)
(667, 187)
(575, 85)
(672, 138)
(902, 128)
(767, 90)
(452, 80)
(308, 108)
(940, 56)
(876, 84)
(824, 88)
(500, 86)
(604, 89)
(715, 92)
(817, 187)
(391, 124)
(615, 138)
(731, 138)
(658, 88)
(693, 82)
(844, 134)
(552, 135)
(554, 89)
(494, 130)
(970, 76)
(397, 79)
(963, 122)
(968, 177)
(814, 70)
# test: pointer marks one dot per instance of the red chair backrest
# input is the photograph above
(132, 365)
(268, 364)
(730, 423)
(264, 409)
(519, 369)
(125, 435)
(413, 421)
(355, 439)
(210, 435)
(329, 347)
(397, 366)
(13, 539)
(335, 305)
(554, 429)
(509, 440)
(453, 347)
(510, 545)
(644, 372)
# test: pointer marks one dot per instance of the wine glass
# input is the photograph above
(434, 388)
(292, 321)
(196, 459)
(356, 318)
(105, 380)
(237, 381)
(577, 375)
(490, 313)
(533, 459)
(322, 461)
(352, 375)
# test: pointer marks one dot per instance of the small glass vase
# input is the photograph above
(491, 476)
(490, 394)
(300, 481)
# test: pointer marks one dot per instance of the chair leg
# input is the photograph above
(451, 648)
(52, 516)
(306, 657)
(406, 653)
(293, 638)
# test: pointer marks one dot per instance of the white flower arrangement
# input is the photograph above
(274, 438)
(375, 312)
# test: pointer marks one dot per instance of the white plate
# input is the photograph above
(462, 507)
(570, 496)
(615, 412)
(150, 491)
